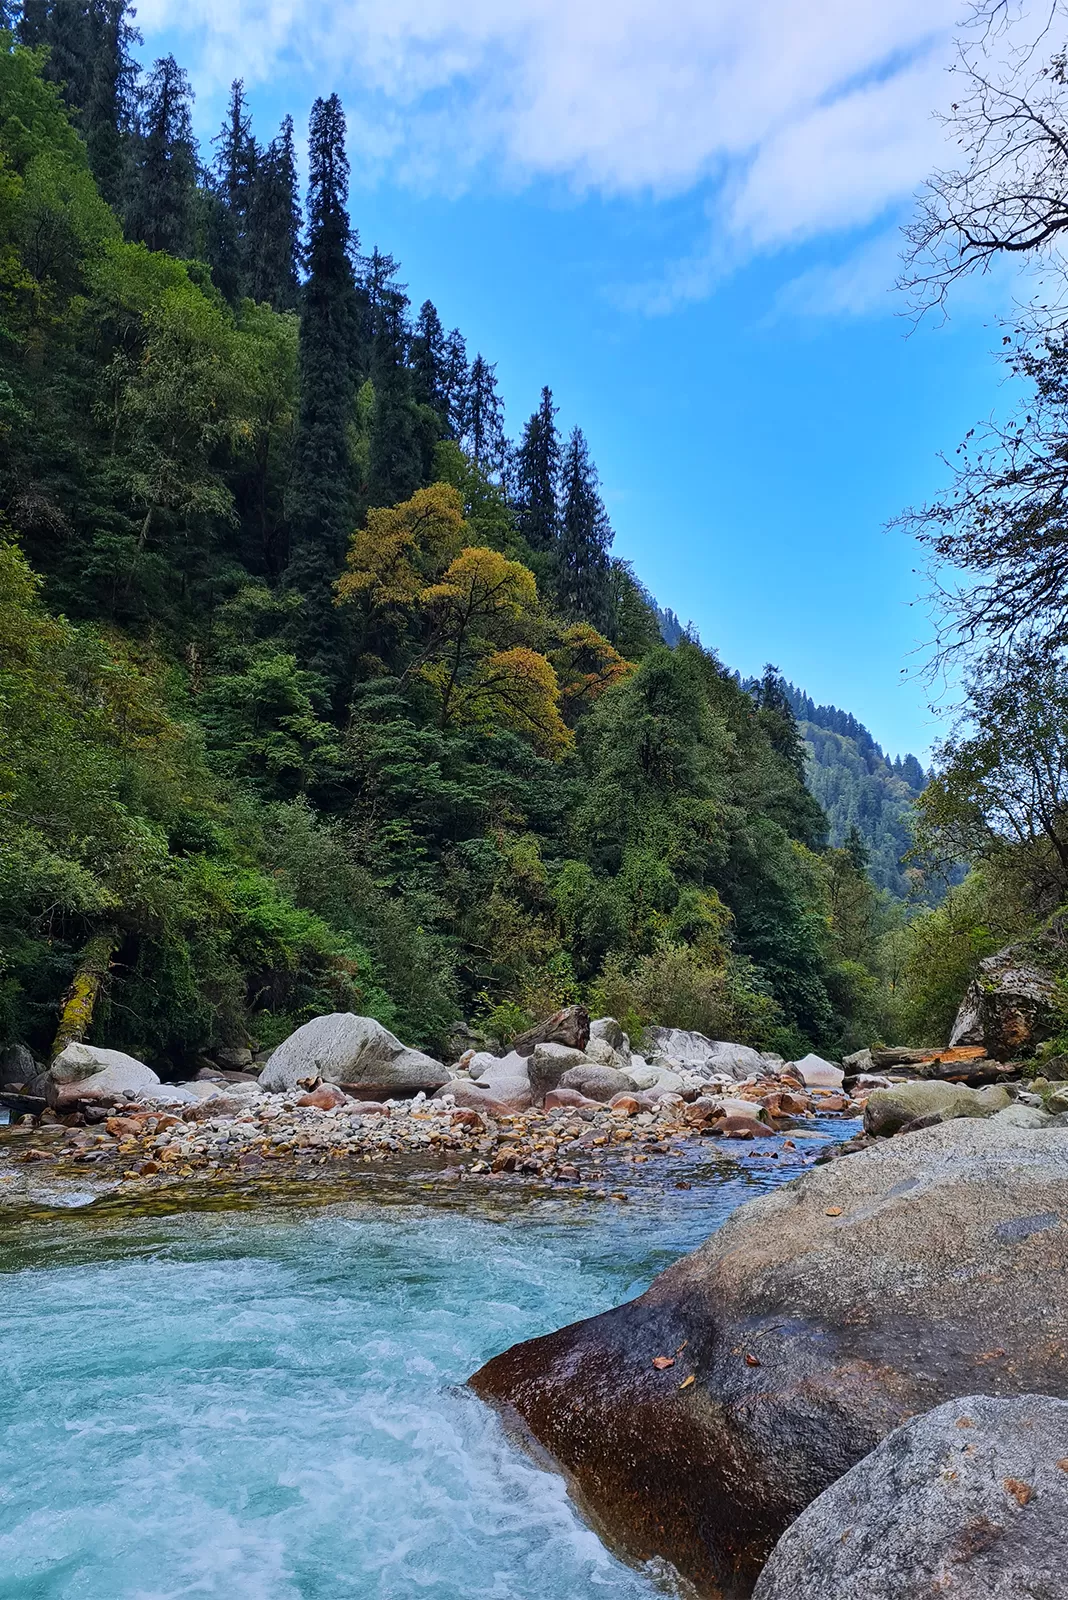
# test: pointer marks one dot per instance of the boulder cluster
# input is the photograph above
(343, 1088)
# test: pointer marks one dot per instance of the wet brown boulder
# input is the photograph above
(327, 1097)
(816, 1320)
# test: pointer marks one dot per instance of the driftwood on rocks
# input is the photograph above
(570, 1027)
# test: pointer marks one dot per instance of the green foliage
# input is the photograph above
(933, 958)
(676, 988)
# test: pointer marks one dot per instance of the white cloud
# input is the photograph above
(802, 118)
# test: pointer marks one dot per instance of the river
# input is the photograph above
(268, 1403)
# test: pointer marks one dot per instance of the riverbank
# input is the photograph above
(274, 1142)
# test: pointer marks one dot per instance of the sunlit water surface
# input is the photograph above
(269, 1405)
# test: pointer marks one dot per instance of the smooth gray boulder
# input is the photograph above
(816, 1073)
(818, 1318)
(114, 1083)
(968, 1500)
(601, 1053)
(346, 1049)
(79, 1060)
(482, 1061)
(90, 1072)
(1023, 1116)
(888, 1110)
(644, 1077)
(547, 1065)
(610, 1032)
(596, 1083)
(680, 1050)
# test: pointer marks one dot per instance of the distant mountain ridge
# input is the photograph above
(850, 775)
(859, 786)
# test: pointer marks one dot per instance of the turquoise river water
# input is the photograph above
(268, 1404)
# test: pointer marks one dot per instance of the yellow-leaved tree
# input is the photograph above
(586, 664)
(472, 618)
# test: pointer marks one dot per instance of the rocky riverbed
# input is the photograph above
(275, 1137)
(581, 1113)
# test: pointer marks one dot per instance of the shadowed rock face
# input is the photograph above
(1009, 1008)
(809, 1337)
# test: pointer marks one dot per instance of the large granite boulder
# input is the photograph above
(547, 1065)
(343, 1048)
(17, 1065)
(1009, 1007)
(680, 1050)
(89, 1073)
(967, 1500)
(78, 1060)
(610, 1032)
(596, 1083)
(571, 1026)
(816, 1073)
(815, 1321)
(887, 1111)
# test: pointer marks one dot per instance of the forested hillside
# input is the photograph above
(317, 691)
(862, 789)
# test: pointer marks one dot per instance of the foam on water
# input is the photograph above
(269, 1407)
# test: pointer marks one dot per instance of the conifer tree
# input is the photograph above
(235, 162)
(582, 568)
(428, 357)
(456, 383)
(108, 113)
(319, 499)
(484, 418)
(162, 210)
(89, 45)
(777, 716)
(401, 439)
(31, 19)
(274, 247)
(537, 470)
(227, 205)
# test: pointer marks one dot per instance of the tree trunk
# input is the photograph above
(76, 1012)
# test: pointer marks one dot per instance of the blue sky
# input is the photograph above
(682, 215)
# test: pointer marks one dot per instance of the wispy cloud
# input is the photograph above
(800, 120)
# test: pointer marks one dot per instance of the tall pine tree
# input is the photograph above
(582, 565)
(229, 204)
(484, 418)
(89, 45)
(428, 360)
(319, 499)
(274, 225)
(456, 383)
(402, 435)
(537, 472)
(162, 211)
